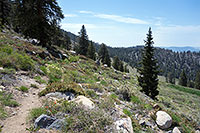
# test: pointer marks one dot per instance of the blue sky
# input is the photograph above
(124, 23)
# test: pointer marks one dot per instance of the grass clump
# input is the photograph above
(127, 112)
(14, 59)
(34, 86)
(6, 100)
(185, 89)
(91, 93)
(36, 112)
(135, 99)
(23, 88)
(63, 87)
(40, 80)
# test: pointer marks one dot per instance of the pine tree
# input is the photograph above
(104, 55)
(148, 78)
(83, 42)
(5, 7)
(197, 80)
(116, 63)
(38, 19)
(121, 67)
(91, 51)
(170, 77)
(183, 79)
(126, 68)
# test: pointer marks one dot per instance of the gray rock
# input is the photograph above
(44, 121)
(124, 125)
(48, 122)
(197, 131)
(57, 124)
(176, 130)
(142, 122)
(163, 120)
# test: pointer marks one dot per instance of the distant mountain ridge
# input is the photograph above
(182, 49)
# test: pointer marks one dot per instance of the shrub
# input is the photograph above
(81, 120)
(127, 112)
(54, 72)
(23, 88)
(63, 87)
(73, 59)
(91, 93)
(124, 94)
(7, 100)
(9, 71)
(135, 99)
(15, 59)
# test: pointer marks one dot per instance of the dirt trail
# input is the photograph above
(17, 123)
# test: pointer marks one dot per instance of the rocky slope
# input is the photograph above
(54, 90)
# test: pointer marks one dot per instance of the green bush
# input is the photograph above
(7, 100)
(91, 93)
(73, 59)
(62, 87)
(34, 86)
(14, 59)
(127, 112)
(54, 72)
(23, 88)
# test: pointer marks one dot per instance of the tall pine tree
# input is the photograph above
(104, 55)
(116, 63)
(91, 51)
(183, 79)
(38, 19)
(148, 78)
(197, 80)
(5, 7)
(83, 42)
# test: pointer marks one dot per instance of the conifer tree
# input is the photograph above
(126, 68)
(170, 77)
(183, 79)
(148, 78)
(197, 80)
(116, 63)
(83, 42)
(5, 7)
(38, 19)
(91, 51)
(121, 67)
(104, 55)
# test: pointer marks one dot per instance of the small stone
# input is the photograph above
(1, 68)
(176, 130)
(85, 101)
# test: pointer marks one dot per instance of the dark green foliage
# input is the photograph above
(126, 68)
(83, 42)
(121, 67)
(37, 19)
(104, 55)
(170, 78)
(91, 51)
(116, 63)
(197, 80)
(183, 79)
(5, 7)
(148, 78)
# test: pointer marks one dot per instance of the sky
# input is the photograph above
(125, 23)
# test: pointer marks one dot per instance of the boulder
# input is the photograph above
(85, 101)
(60, 95)
(176, 130)
(124, 125)
(48, 122)
(43, 121)
(163, 120)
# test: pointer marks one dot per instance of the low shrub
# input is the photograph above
(40, 80)
(36, 112)
(73, 59)
(63, 87)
